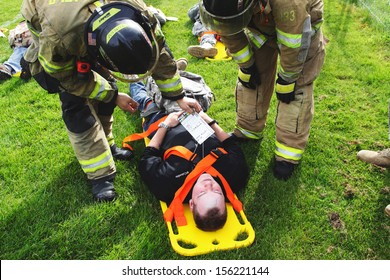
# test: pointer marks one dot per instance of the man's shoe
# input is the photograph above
(182, 64)
(5, 73)
(381, 158)
(121, 153)
(283, 169)
(103, 190)
(387, 210)
(202, 51)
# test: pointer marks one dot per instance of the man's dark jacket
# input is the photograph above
(164, 178)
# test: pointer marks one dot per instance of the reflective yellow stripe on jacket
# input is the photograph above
(101, 88)
(243, 55)
(288, 76)
(33, 31)
(243, 76)
(288, 152)
(289, 40)
(53, 68)
(170, 85)
(99, 162)
(257, 39)
(110, 139)
(284, 88)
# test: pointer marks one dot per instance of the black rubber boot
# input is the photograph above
(103, 190)
(283, 169)
(121, 153)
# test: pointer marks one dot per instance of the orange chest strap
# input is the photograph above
(176, 209)
(237, 205)
(138, 136)
(180, 151)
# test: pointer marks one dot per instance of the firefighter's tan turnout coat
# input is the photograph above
(87, 104)
(288, 30)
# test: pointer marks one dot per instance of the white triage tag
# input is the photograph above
(196, 126)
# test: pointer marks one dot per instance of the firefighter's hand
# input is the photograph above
(249, 77)
(189, 105)
(126, 103)
(285, 91)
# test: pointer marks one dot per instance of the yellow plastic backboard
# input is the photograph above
(221, 54)
(190, 241)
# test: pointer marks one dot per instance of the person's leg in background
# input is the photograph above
(149, 110)
(207, 39)
(12, 65)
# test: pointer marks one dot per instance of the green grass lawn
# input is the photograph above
(332, 208)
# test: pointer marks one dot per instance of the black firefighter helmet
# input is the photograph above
(120, 38)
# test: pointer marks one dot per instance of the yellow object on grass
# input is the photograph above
(221, 54)
(3, 31)
(190, 241)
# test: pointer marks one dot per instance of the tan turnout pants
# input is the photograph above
(293, 120)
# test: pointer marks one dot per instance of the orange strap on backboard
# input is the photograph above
(180, 151)
(237, 205)
(138, 136)
(176, 209)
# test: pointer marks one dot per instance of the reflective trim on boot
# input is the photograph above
(247, 134)
(288, 152)
(99, 162)
(381, 158)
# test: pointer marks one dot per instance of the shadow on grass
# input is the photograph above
(61, 221)
(272, 204)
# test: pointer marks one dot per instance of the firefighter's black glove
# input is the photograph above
(285, 91)
(249, 77)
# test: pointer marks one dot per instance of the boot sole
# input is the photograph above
(4, 75)
(200, 52)
(387, 211)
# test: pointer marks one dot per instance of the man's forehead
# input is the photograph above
(209, 200)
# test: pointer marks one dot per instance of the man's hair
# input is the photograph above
(212, 221)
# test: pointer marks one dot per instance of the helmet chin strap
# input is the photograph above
(133, 78)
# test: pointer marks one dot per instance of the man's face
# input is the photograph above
(207, 194)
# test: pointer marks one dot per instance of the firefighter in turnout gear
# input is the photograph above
(256, 32)
(77, 48)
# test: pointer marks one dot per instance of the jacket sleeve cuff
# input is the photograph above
(176, 97)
